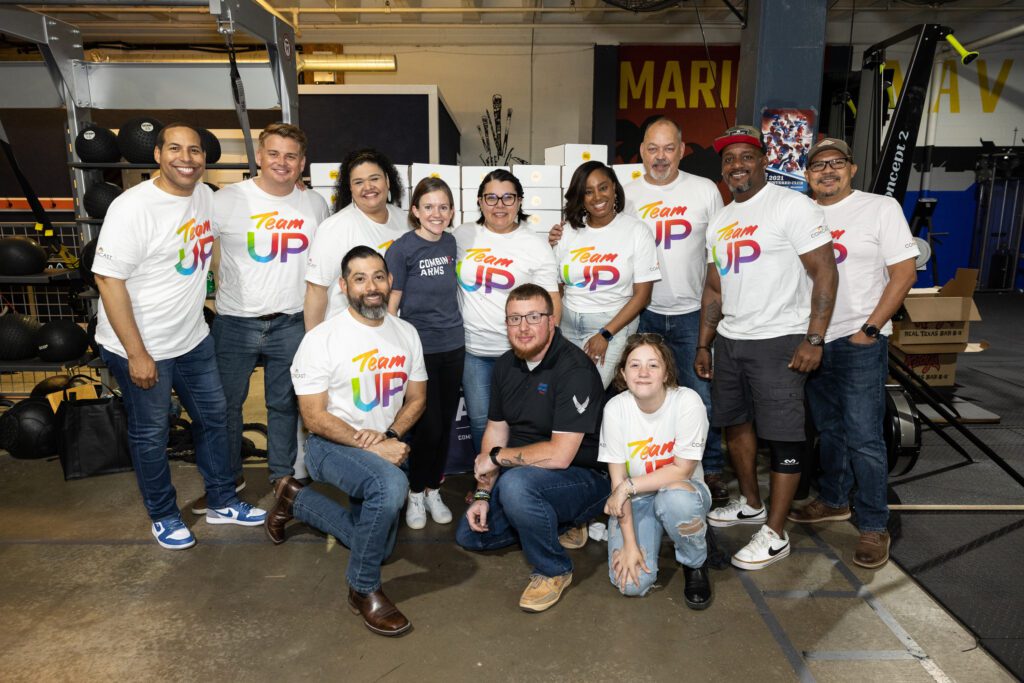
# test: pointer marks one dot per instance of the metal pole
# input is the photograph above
(982, 268)
(1015, 251)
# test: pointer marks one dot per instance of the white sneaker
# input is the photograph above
(415, 512)
(764, 549)
(737, 512)
(439, 512)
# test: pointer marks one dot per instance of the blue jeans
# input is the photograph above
(579, 327)
(531, 506)
(241, 343)
(669, 511)
(476, 388)
(847, 401)
(376, 490)
(680, 333)
(194, 377)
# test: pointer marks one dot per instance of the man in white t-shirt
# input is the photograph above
(265, 226)
(368, 190)
(677, 206)
(151, 263)
(768, 297)
(362, 385)
(875, 253)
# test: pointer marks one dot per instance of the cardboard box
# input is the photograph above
(450, 174)
(322, 174)
(939, 317)
(538, 176)
(469, 199)
(627, 173)
(470, 216)
(472, 176)
(541, 221)
(328, 194)
(574, 155)
(542, 199)
(937, 369)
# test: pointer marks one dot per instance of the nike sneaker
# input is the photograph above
(764, 549)
(737, 512)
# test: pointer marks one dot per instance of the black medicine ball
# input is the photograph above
(18, 336)
(137, 139)
(211, 145)
(98, 198)
(21, 256)
(61, 340)
(29, 429)
(97, 145)
(85, 260)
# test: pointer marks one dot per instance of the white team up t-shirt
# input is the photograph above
(160, 245)
(263, 244)
(336, 236)
(677, 215)
(488, 266)
(600, 265)
(869, 233)
(646, 442)
(756, 246)
(363, 369)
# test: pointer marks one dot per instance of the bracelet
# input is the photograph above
(481, 495)
(632, 493)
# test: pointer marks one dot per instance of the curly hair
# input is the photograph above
(343, 189)
(575, 213)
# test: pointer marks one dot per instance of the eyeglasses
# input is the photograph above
(837, 164)
(645, 338)
(515, 320)
(506, 199)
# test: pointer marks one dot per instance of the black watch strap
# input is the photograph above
(494, 455)
(392, 434)
(870, 330)
(606, 334)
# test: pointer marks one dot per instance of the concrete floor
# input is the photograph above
(88, 595)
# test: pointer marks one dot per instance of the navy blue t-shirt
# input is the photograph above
(424, 272)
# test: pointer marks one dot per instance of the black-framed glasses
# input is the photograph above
(645, 338)
(508, 199)
(515, 320)
(837, 164)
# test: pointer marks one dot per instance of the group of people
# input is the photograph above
(600, 367)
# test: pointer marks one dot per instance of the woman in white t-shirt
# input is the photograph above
(495, 254)
(652, 437)
(607, 266)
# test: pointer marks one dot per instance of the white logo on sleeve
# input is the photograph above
(580, 407)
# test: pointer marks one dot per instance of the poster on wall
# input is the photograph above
(788, 136)
(681, 83)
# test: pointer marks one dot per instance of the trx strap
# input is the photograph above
(238, 93)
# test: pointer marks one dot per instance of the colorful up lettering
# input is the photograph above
(202, 246)
(737, 251)
(487, 274)
(283, 243)
(841, 252)
(592, 276)
(670, 227)
(654, 456)
(385, 384)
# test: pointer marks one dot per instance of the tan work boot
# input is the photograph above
(574, 538)
(872, 549)
(817, 511)
(543, 592)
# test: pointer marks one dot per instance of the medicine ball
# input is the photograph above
(18, 336)
(21, 256)
(97, 145)
(85, 260)
(211, 145)
(61, 340)
(29, 429)
(98, 198)
(137, 139)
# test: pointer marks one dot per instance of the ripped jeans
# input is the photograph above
(679, 512)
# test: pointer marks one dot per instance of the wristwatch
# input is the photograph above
(494, 455)
(870, 330)
(815, 339)
(392, 434)
(606, 334)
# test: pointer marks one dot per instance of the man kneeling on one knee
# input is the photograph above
(538, 472)
(361, 385)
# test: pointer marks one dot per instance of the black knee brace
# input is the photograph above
(786, 456)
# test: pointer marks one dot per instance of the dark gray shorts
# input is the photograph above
(752, 383)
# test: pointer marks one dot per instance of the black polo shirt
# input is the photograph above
(564, 393)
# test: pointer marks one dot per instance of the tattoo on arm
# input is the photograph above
(713, 313)
(519, 461)
(821, 306)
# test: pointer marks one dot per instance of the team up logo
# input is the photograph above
(197, 249)
(670, 226)
(595, 272)
(737, 250)
(841, 252)
(654, 456)
(286, 237)
(378, 378)
(384, 246)
(480, 268)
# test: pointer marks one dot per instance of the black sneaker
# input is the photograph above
(697, 590)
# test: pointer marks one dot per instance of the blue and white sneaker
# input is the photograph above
(240, 513)
(171, 533)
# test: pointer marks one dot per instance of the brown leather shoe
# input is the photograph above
(285, 489)
(818, 511)
(872, 549)
(379, 614)
(719, 492)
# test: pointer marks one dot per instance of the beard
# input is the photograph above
(370, 311)
(531, 350)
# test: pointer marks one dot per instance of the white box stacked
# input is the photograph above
(538, 176)
(627, 173)
(542, 194)
(472, 176)
(323, 176)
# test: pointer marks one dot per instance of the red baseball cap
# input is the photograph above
(745, 134)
